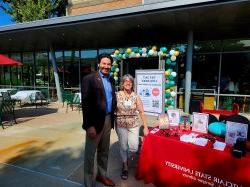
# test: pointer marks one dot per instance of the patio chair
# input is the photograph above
(73, 100)
(38, 98)
(7, 108)
(66, 96)
(45, 93)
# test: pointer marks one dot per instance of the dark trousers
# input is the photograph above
(101, 144)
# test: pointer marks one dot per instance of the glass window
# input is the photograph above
(88, 62)
(235, 76)
(5, 74)
(28, 69)
(208, 46)
(109, 51)
(205, 70)
(42, 74)
(59, 62)
(71, 70)
(16, 71)
(236, 45)
(2, 80)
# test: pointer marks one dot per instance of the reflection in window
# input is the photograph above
(28, 67)
(235, 74)
(108, 51)
(71, 68)
(236, 45)
(16, 71)
(59, 62)
(42, 74)
(208, 46)
(88, 62)
(205, 71)
(5, 75)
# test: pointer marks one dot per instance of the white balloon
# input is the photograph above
(171, 52)
(151, 52)
(132, 54)
(144, 49)
(144, 54)
(116, 78)
(174, 74)
(117, 70)
(170, 107)
(173, 58)
(137, 55)
(173, 94)
(160, 53)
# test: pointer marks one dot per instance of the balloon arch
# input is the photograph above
(170, 57)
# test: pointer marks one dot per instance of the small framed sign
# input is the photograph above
(174, 117)
(163, 121)
(234, 131)
(200, 122)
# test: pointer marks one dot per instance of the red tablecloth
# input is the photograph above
(166, 161)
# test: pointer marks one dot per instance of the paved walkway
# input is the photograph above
(46, 148)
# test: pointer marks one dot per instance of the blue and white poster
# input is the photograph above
(150, 87)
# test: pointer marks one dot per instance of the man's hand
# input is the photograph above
(91, 132)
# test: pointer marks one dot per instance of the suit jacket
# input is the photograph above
(94, 102)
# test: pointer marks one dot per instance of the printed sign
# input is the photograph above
(174, 117)
(200, 122)
(234, 131)
(150, 87)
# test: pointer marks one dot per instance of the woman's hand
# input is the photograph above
(145, 130)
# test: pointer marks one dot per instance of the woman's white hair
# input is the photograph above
(125, 77)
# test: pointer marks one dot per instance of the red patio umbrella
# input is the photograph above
(4, 60)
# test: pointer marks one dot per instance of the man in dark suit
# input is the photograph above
(98, 105)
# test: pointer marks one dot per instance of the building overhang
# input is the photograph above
(136, 26)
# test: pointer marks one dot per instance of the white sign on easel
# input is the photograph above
(150, 86)
(200, 122)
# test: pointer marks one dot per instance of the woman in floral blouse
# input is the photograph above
(129, 108)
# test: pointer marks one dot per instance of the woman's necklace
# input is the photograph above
(127, 103)
(127, 95)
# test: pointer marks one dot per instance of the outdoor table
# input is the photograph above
(25, 95)
(167, 161)
(5, 90)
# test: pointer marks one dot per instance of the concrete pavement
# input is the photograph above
(46, 148)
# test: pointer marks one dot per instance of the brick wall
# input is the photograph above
(78, 7)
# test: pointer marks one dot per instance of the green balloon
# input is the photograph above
(168, 61)
(172, 103)
(169, 102)
(135, 50)
(167, 95)
(167, 85)
(173, 64)
(171, 83)
(171, 77)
